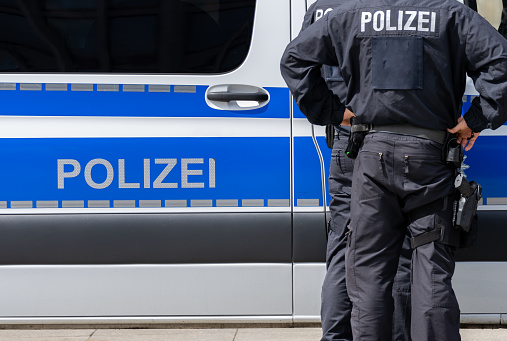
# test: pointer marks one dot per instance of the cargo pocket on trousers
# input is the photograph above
(397, 63)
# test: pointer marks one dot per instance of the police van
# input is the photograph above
(155, 169)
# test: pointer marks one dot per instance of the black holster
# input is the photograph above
(357, 133)
(460, 208)
(465, 210)
(330, 135)
(452, 152)
(444, 231)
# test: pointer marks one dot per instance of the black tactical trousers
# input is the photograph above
(336, 306)
(394, 175)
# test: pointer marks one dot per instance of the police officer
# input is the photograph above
(404, 63)
(335, 303)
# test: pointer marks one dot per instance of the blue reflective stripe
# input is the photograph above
(296, 112)
(104, 100)
(488, 165)
(326, 155)
(487, 162)
(307, 178)
(203, 172)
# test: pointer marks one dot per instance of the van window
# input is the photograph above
(125, 36)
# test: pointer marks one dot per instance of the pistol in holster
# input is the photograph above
(330, 135)
(357, 133)
(467, 198)
(453, 152)
(456, 221)
(469, 192)
(466, 206)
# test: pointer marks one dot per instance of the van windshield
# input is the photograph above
(125, 36)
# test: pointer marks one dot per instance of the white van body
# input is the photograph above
(181, 197)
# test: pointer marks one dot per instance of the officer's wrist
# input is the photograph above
(338, 113)
(476, 122)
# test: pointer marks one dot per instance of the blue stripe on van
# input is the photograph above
(488, 165)
(296, 111)
(87, 100)
(486, 160)
(307, 174)
(218, 172)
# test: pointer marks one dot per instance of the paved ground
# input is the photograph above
(233, 334)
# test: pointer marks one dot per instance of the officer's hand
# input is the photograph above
(464, 134)
(347, 115)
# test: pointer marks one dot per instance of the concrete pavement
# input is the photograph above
(231, 334)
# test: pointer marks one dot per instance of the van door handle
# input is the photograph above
(236, 97)
(227, 96)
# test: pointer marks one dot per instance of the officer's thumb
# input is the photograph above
(458, 127)
(462, 125)
(347, 115)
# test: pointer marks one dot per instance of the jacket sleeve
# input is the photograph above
(308, 19)
(301, 69)
(486, 52)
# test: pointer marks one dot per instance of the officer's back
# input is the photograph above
(404, 61)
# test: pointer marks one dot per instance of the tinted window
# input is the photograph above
(125, 36)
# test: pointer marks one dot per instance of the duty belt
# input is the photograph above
(359, 130)
(437, 136)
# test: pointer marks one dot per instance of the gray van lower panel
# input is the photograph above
(80, 291)
(479, 287)
(145, 238)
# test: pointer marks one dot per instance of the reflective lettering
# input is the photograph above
(185, 172)
(410, 20)
(422, 21)
(378, 21)
(365, 18)
(170, 165)
(320, 13)
(109, 174)
(121, 176)
(388, 21)
(147, 175)
(393, 21)
(62, 175)
(71, 168)
(212, 173)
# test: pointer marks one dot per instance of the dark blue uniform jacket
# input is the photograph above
(331, 74)
(403, 61)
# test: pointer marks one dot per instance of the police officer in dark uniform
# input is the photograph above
(335, 303)
(404, 63)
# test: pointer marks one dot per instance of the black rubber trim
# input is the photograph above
(491, 236)
(193, 238)
(309, 237)
(145, 238)
(310, 242)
